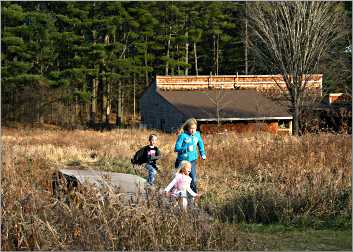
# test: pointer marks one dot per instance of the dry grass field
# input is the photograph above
(252, 179)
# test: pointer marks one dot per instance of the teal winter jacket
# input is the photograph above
(186, 146)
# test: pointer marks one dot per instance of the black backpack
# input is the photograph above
(139, 157)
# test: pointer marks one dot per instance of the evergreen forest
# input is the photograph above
(86, 63)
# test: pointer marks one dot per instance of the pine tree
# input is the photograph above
(217, 35)
(28, 56)
(91, 59)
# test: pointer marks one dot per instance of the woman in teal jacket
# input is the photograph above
(186, 147)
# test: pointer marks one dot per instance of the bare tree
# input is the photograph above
(217, 98)
(290, 38)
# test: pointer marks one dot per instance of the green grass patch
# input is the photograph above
(286, 238)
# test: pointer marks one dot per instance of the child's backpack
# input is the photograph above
(139, 157)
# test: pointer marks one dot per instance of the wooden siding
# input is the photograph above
(157, 113)
(262, 83)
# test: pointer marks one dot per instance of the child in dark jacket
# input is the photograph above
(151, 155)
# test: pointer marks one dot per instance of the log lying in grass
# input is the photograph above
(66, 180)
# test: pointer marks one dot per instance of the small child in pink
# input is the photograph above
(181, 185)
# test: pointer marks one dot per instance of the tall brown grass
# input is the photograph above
(286, 179)
(253, 178)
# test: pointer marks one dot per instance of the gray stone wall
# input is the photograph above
(157, 113)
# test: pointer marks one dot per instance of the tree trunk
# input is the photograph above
(296, 105)
(40, 112)
(103, 99)
(177, 56)
(186, 55)
(146, 64)
(87, 111)
(37, 111)
(77, 112)
(195, 53)
(106, 92)
(119, 103)
(168, 49)
(88, 104)
(94, 88)
(94, 101)
(81, 113)
(51, 113)
(134, 83)
(118, 120)
(296, 119)
(73, 113)
(108, 102)
(217, 55)
(13, 107)
(122, 105)
(214, 53)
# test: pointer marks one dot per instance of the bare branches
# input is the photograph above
(291, 38)
(218, 101)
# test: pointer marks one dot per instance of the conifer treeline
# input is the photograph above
(71, 63)
(79, 61)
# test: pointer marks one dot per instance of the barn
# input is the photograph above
(218, 103)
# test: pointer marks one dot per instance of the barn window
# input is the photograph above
(283, 124)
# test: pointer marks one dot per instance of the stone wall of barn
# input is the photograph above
(157, 113)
